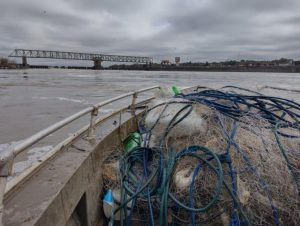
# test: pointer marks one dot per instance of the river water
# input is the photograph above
(31, 100)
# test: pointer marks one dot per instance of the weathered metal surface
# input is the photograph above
(53, 194)
(77, 56)
(22, 178)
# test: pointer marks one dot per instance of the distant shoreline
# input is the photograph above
(228, 69)
(275, 69)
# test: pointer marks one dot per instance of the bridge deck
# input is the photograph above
(78, 56)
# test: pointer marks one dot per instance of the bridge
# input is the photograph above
(97, 58)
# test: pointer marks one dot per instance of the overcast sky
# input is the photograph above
(197, 30)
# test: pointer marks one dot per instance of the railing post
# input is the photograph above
(91, 130)
(6, 166)
(3, 180)
(132, 107)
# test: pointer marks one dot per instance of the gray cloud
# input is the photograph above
(193, 29)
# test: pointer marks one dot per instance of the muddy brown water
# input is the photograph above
(31, 100)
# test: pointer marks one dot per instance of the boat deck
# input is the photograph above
(54, 195)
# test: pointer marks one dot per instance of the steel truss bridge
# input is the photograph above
(97, 58)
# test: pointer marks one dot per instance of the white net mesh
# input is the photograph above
(260, 170)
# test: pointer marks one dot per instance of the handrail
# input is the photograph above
(46, 132)
(27, 173)
(53, 128)
(101, 104)
(7, 157)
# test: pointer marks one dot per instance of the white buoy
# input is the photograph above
(194, 123)
(183, 179)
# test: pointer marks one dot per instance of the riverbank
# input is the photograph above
(274, 69)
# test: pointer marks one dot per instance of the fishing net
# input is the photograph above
(212, 157)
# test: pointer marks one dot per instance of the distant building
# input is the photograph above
(283, 62)
(165, 62)
(297, 63)
(254, 63)
(264, 64)
(177, 61)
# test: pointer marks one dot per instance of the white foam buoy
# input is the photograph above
(194, 123)
(183, 180)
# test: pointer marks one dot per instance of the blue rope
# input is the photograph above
(233, 105)
(191, 190)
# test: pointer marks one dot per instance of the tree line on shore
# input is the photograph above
(7, 64)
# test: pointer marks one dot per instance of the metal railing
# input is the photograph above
(7, 157)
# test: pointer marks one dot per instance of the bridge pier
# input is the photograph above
(97, 64)
(24, 61)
